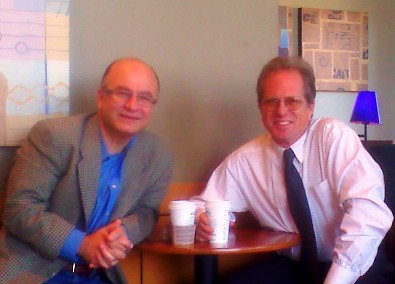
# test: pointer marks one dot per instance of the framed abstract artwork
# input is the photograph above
(286, 31)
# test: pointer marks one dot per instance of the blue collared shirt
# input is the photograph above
(109, 188)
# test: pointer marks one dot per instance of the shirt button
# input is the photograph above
(113, 186)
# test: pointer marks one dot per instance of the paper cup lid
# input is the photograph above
(179, 204)
(218, 203)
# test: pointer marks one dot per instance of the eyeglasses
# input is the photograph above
(123, 96)
(291, 103)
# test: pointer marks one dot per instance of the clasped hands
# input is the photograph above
(106, 246)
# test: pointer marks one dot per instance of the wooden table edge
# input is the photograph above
(166, 247)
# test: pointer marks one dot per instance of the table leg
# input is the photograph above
(206, 269)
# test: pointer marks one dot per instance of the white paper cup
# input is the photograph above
(182, 212)
(183, 235)
(218, 213)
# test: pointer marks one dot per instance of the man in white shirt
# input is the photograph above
(344, 185)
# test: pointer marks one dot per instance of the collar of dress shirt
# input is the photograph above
(297, 147)
(105, 153)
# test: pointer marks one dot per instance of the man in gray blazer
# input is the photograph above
(85, 189)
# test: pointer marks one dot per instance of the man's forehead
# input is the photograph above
(128, 71)
(123, 88)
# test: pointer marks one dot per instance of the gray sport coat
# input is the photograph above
(52, 189)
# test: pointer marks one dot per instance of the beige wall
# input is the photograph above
(208, 54)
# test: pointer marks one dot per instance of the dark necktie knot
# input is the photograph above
(289, 155)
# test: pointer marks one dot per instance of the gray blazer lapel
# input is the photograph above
(89, 166)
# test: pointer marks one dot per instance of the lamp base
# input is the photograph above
(365, 135)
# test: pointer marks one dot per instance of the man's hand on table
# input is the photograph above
(204, 229)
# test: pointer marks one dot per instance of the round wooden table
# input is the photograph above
(241, 241)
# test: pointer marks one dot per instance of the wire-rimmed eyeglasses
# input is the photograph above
(123, 96)
(291, 103)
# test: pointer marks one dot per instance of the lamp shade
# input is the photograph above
(366, 109)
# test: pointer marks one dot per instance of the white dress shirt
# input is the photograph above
(344, 188)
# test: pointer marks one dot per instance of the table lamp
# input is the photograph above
(366, 111)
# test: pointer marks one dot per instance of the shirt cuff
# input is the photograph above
(70, 248)
(339, 275)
